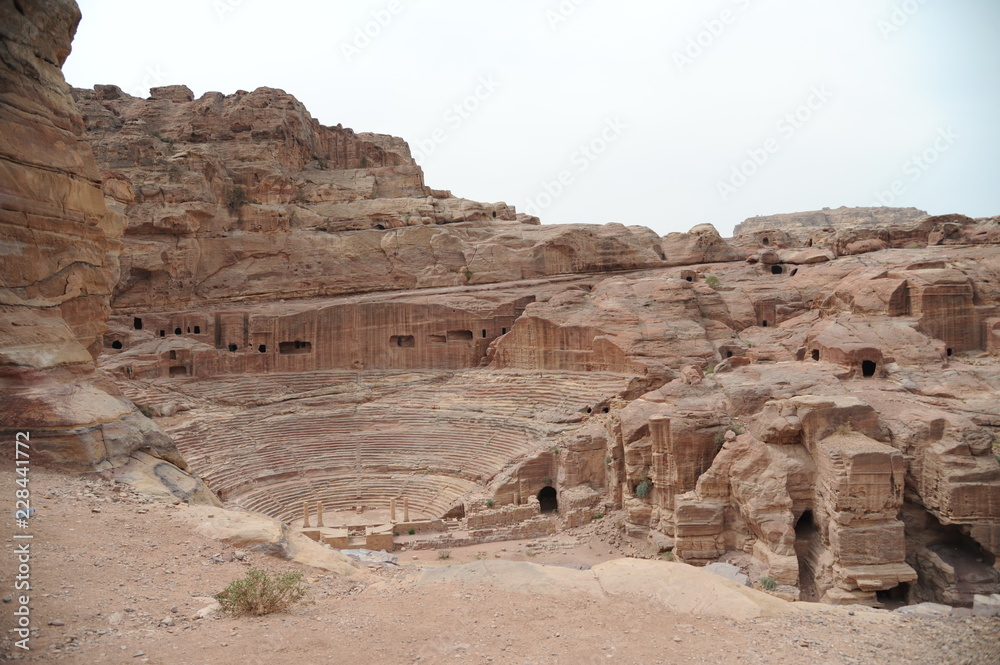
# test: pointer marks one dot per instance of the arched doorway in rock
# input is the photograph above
(868, 368)
(807, 545)
(548, 500)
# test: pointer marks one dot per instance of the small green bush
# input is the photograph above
(712, 281)
(768, 584)
(844, 429)
(642, 489)
(259, 593)
(412, 532)
(489, 503)
(468, 274)
(667, 556)
(146, 411)
(598, 515)
(364, 162)
(236, 198)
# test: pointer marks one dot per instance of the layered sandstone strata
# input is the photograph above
(246, 196)
(815, 399)
(60, 233)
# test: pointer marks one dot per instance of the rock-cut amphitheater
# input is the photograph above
(238, 301)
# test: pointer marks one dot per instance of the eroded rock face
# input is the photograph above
(817, 397)
(60, 233)
(839, 219)
(247, 196)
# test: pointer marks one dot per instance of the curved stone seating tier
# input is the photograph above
(349, 438)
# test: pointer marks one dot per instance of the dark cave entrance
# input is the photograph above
(808, 547)
(548, 500)
(806, 526)
(897, 596)
(868, 368)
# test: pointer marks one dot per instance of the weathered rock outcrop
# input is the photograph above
(839, 219)
(60, 235)
(246, 196)
(815, 400)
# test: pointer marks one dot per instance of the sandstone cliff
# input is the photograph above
(815, 400)
(246, 196)
(842, 218)
(60, 235)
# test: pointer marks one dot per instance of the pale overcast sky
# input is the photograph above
(666, 114)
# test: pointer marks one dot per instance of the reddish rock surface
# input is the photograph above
(815, 400)
(61, 237)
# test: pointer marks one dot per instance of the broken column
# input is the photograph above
(392, 510)
(406, 510)
(319, 513)
(305, 514)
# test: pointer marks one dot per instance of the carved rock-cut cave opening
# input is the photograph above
(178, 370)
(137, 323)
(897, 596)
(766, 241)
(548, 499)
(117, 344)
(232, 348)
(815, 354)
(954, 567)
(805, 527)
(868, 368)
(403, 341)
(949, 353)
(262, 348)
(460, 336)
(177, 331)
(808, 546)
(163, 333)
(173, 355)
(294, 348)
(197, 330)
(777, 270)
